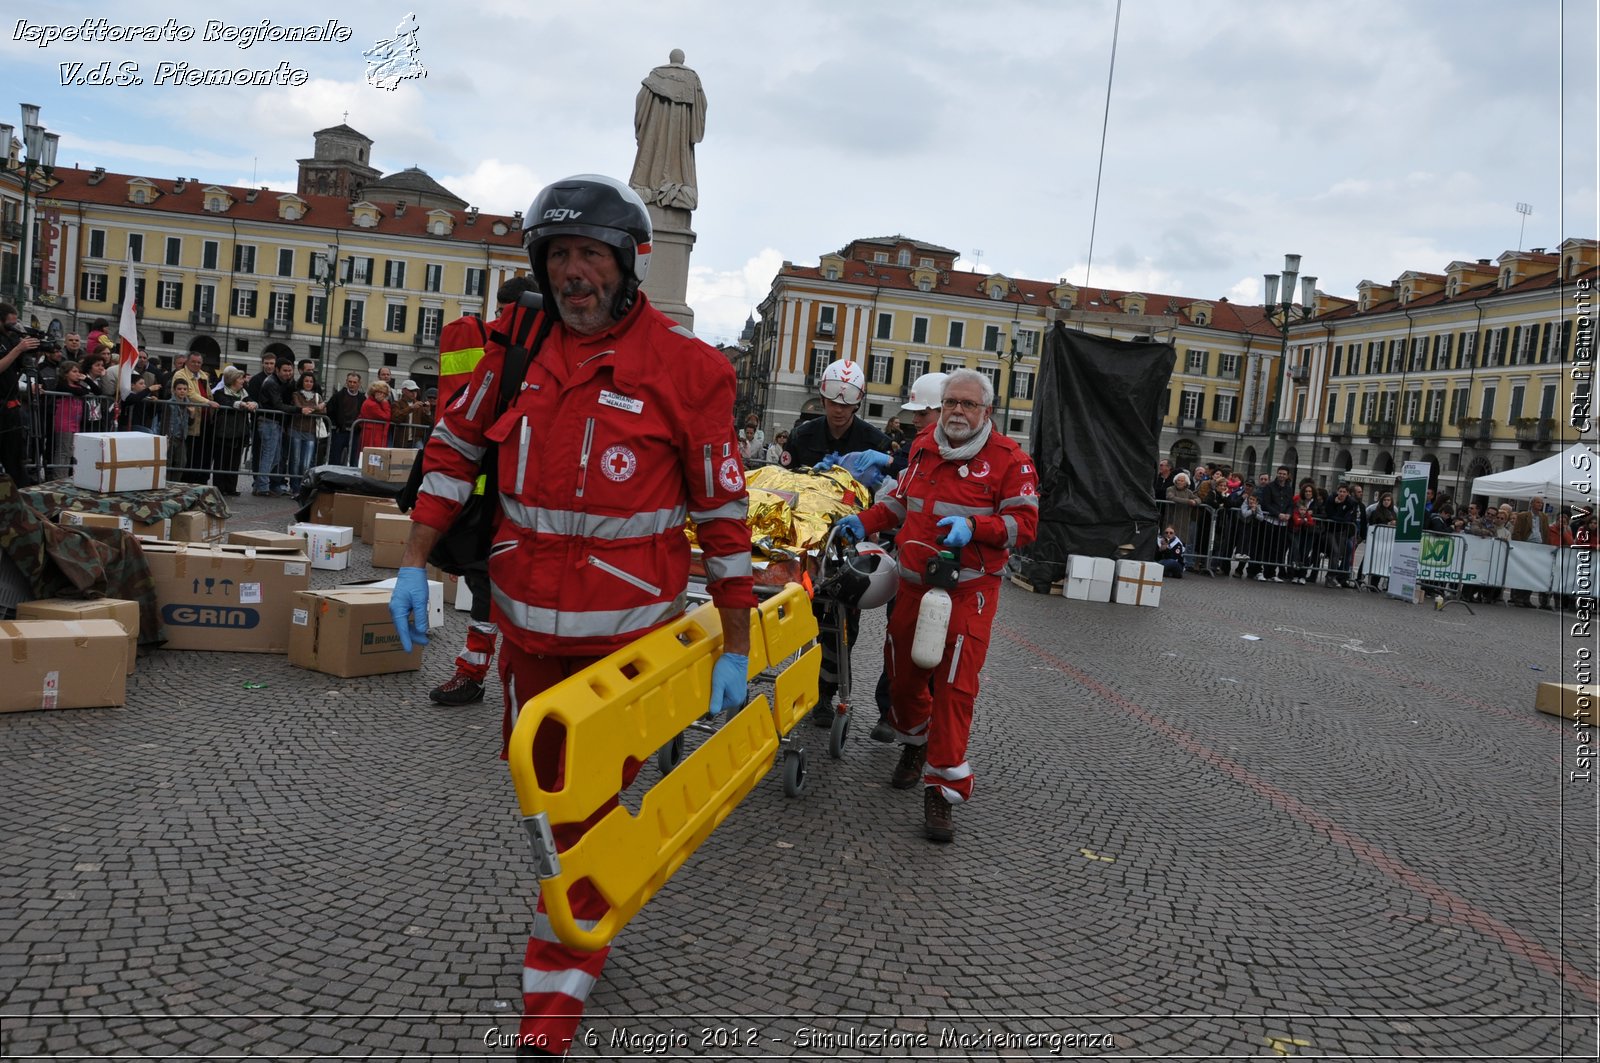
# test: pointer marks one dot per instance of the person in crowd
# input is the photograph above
(276, 408)
(752, 446)
(97, 332)
(344, 408)
(1277, 499)
(1164, 478)
(774, 452)
(375, 413)
(180, 414)
(73, 394)
(1247, 539)
(588, 240)
(1342, 521)
(1303, 534)
(263, 425)
(412, 416)
(752, 425)
(1182, 503)
(309, 410)
(96, 407)
(982, 519)
(386, 375)
(1531, 525)
(196, 468)
(1169, 552)
(233, 418)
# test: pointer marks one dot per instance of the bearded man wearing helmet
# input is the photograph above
(621, 427)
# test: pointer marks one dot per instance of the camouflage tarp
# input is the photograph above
(73, 562)
(145, 507)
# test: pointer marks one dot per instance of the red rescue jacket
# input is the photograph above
(998, 488)
(610, 443)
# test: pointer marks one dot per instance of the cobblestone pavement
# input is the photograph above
(1350, 837)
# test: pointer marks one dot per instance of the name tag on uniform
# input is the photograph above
(621, 402)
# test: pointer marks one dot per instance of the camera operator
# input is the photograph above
(16, 361)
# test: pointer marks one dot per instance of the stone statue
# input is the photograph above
(669, 119)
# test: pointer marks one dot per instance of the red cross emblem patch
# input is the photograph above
(618, 463)
(731, 475)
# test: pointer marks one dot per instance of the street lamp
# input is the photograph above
(1282, 316)
(329, 279)
(41, 148)
(1011, 358)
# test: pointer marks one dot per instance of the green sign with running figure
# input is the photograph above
(1411, 503)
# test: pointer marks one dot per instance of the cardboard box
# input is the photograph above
(123, 612)
(370, 512)
(262, 537)
(1139, 583)
(1090, 579)
(61, 664)
(119, 461)
(193, 526)
(389, 534)
(224, 597)
(1570, 701)
(156, 529)
(326, 545)
(435, 597)
(347, 632)
(339, 509)
(390, 465)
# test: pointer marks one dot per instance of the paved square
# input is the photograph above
(1353, 836)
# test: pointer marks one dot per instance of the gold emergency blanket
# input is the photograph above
(791, 511)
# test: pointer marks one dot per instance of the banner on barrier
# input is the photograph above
(1412, 510)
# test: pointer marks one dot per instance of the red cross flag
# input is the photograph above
(127, 334)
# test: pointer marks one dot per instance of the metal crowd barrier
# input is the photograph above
(1223, 542)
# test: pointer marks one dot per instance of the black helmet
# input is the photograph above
(598, 207)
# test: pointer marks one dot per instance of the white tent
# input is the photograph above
(1565, 479)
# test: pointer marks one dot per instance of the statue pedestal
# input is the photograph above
(667, 283)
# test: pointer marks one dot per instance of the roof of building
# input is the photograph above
(75, 185)
(411, 180)
(342, 128)
(1543, 281)
(899, 238)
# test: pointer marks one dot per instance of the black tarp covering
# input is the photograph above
(1096, 439)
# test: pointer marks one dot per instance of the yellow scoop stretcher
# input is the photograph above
(626, 707)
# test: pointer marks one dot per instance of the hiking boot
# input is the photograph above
(881, 731)
(936, 825)
(908, 772)
(459, 689)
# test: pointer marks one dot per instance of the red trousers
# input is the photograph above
(934, 706)
(556, 980)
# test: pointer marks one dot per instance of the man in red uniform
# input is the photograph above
(621, 427)
(968, 487)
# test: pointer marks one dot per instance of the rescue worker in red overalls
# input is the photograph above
(461, 348)
(621, 428)
(968, 487)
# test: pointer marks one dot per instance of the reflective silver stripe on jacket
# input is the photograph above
(914, 505)
(590, 525)
(543, 931)
(585, 623)
(1018, 500)
(574, 984)
(950, 509)
(893, 505)
(730, 567)
(1011, 530)
(955, 774)
(457, 444)
(477, 399)
(738, 509)
(443, 485)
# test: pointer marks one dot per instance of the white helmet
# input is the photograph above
(878, 567)
(843, 382)
(926, 392)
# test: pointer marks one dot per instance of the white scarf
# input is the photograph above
(965, 451)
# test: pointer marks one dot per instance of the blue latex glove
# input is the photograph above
(409, 605)
(827, 463)
(852, 528)
(730, 686)
(958, 531)
(867, 466)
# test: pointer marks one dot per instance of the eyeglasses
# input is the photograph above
(969, 405)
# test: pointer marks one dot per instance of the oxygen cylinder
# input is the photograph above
(933, 615)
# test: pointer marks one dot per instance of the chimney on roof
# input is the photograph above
(472, 215)
(1483, 262)
(516, 216)
(1536, 251)
(399, 208)
(250, 196)
(98, 176)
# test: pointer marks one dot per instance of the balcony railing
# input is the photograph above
(1424, 432)
(11, 230)
(1476, 430)
(202, 318)
(277, 327)
(1341, 433)
(1535, 433)
(1381, 431)
(424, 339)
(824, 328)
(1288, 429)
(1299, 374)
(352, 332)
(1197, 424)
(1253, 428)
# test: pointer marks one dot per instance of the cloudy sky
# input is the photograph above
(1369, 137)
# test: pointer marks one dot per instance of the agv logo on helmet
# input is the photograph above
(562, 214)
